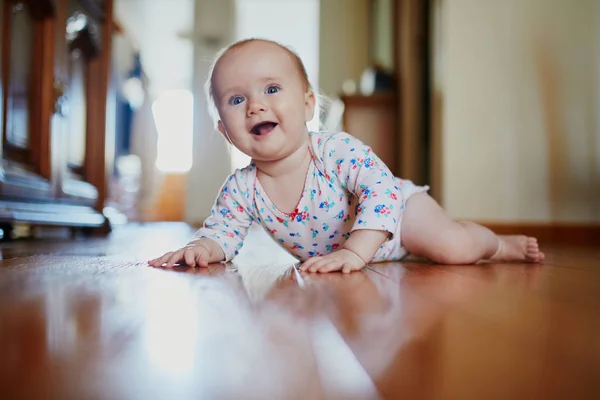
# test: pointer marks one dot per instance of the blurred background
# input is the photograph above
(494, 104)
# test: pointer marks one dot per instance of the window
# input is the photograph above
(173, 115)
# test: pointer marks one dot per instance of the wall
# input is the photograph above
(520, 137)
(211, 156)
(383, 33)
(344, 42)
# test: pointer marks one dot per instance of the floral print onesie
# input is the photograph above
(347, 188)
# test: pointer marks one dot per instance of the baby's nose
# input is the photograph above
(256, 107)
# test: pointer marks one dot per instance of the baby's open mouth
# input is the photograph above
(263, 128)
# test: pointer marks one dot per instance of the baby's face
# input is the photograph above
(262, 101)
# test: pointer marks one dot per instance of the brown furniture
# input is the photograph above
(54, 74)
(374, 120)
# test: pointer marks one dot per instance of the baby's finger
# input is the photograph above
(165, 259)
(331, 266)
(174, 259)
(308, 263)
(158, 262)
(202, 259)
(347, 268)
(318, 264)
(188, 257)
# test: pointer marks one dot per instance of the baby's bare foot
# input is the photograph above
(518, 248)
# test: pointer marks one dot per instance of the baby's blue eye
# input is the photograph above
(272, 89)
(236, 100)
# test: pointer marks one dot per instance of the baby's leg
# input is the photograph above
(428, 232)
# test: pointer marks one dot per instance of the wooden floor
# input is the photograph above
(88, 319)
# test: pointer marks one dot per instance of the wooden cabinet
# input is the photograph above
(373, 119)
(54, 74)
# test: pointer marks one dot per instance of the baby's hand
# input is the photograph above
(196, 253)
(343, 259)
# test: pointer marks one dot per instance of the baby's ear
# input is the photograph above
(309, 105)
(221, 128)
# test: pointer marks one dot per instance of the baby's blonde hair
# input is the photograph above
(208, 87)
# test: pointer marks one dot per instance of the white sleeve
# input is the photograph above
(231, 216)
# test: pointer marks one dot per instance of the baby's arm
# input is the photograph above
(223, 232)
(379, 202)
(365, 243)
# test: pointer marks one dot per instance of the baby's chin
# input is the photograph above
(266, 158)
(269, 157)
(276, 150)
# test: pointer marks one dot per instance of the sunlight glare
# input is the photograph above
(173, 115)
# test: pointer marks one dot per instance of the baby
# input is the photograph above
(325, 197)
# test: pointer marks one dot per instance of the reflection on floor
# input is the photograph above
(89, 319)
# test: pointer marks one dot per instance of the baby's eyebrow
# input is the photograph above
(226, 94)
(270, 78)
